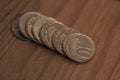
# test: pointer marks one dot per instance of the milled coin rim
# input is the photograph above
(77, 58)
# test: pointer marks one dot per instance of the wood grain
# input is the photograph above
(99, 19)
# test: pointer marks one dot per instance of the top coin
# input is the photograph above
(79, 47)
(23, 20)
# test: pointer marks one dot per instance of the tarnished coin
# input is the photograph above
(48, 30)
(24, 19)
(79, 47)
(29, 26)
(59, 36)
(15, 29)
(38, 25)
(43, 29)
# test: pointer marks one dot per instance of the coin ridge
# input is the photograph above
(74, 56)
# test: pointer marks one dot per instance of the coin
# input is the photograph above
(43, 29)
(37, 26)
(79, 47)
(15, 29)
(29, 26)
(48, 30)
(24, 19)
(59, 36)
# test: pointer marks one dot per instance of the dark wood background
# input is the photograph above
(99, 19)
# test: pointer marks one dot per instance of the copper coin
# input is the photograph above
(59, 36)
(29, 26)
(48, 30)
(37, 26)
(23, 20)
(15, 29)
(79, 47)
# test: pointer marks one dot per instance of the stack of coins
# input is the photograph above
(53, 34)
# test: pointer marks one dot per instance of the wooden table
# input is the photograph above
(99, 19)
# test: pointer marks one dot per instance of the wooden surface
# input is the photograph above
(99, 19)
